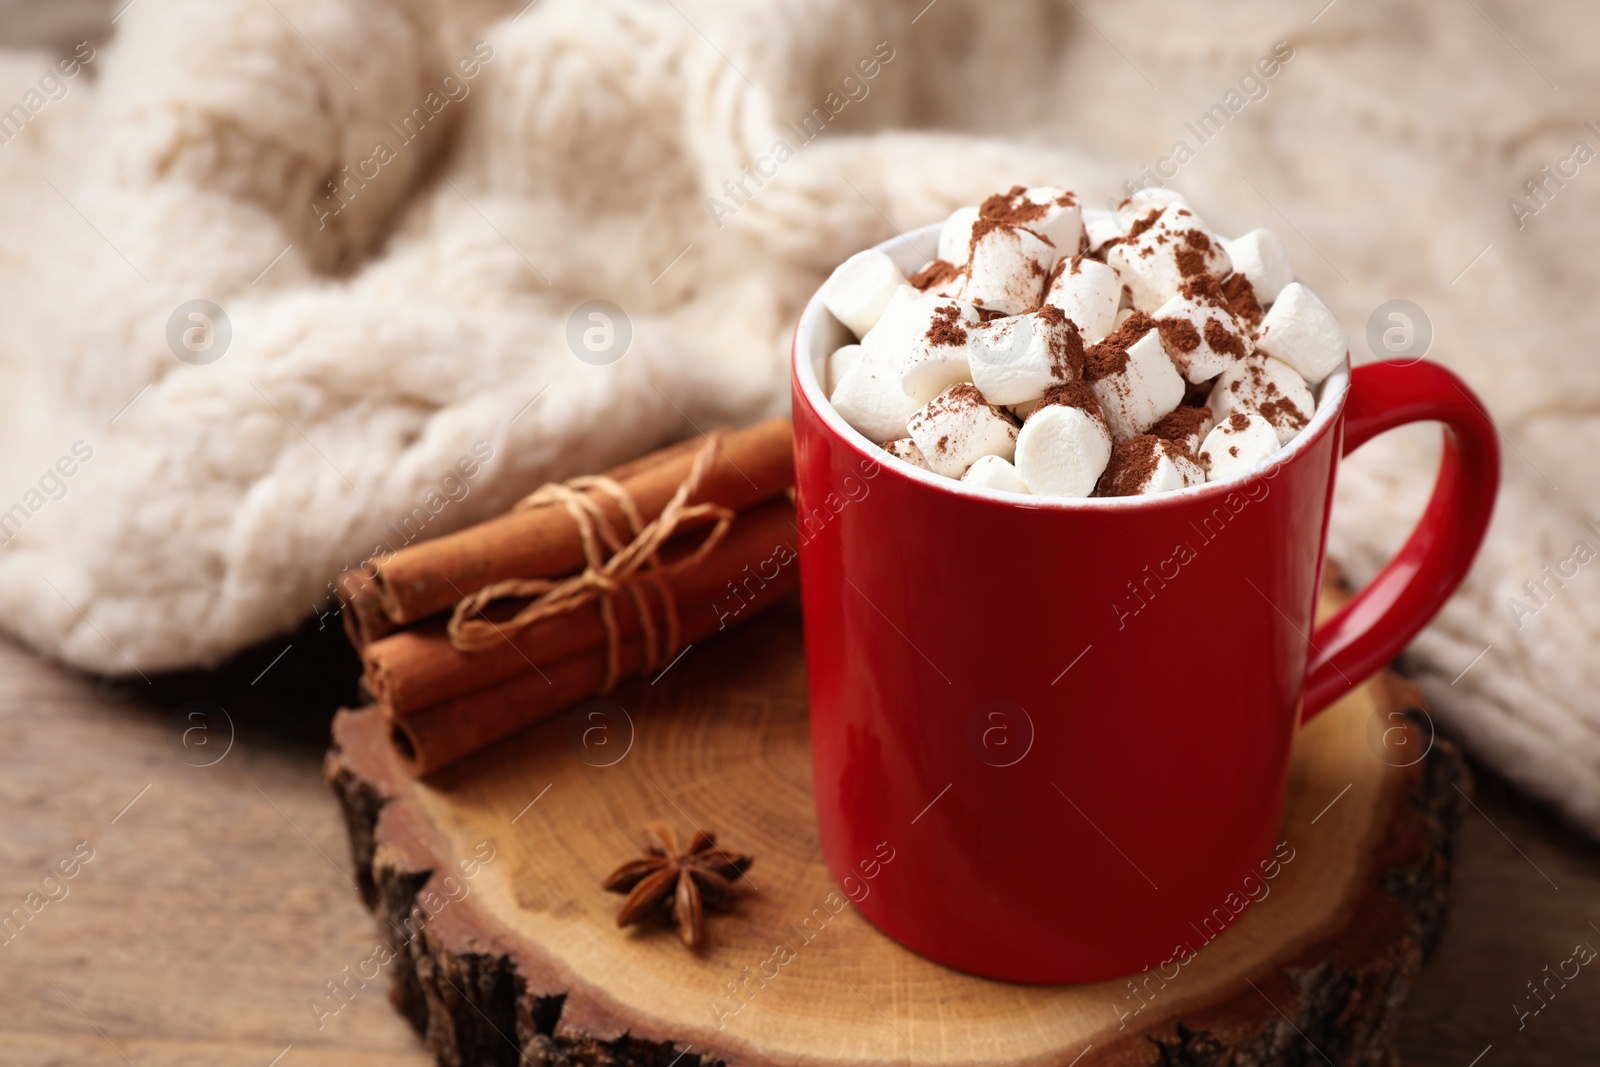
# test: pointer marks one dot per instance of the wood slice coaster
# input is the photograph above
(486, 882)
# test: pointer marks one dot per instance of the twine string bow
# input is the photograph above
(611, 568)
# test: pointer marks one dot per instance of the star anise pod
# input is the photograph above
(677, 884)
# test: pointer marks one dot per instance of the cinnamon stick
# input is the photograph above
(362, 611)
(436, 736)
(363, 614)
(417, 667)
(753, 465)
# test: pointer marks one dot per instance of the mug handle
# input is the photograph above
(1382, 619)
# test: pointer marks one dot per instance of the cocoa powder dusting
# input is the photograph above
(1181, 424)
(1192, 257)
(1223, 340)
(1178, 451)
(1241, 298)
(1012, 207)
(1110, 356)
(946, 327)
(1131, 466)
(1141, 225)
(1074, 395)
(1066, 344)
(1283, 414)
(983, 227)
(1238, 422)
(1056, 272)
(936, 273)
(1276, 408)
(963, 394)
(1179, 335)
(1204, 290)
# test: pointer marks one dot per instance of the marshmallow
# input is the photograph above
(955, 238)
(1015, 359)
(959, 425)
(1008, 268)
(1148, 464)
(1260, 385)
(894, 321)
(859, 289)
(1237, 445)
(1186, 425)
(1143, 201)
(906, 450)
(1088, 292)
(1017, 362)
(1051, 213)
(1200, 334)
(927, 339)
(1100, 227)
(1260, 256)
(1064, 445)
(839, 362)
(992, 472)
(1132, 378)
(1300, 330)
(940, 278)
(868, 396)
(1163, 250)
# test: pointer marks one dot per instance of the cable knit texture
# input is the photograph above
(598, 151)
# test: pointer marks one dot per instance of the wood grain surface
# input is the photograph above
(218, 900)
(506, 850)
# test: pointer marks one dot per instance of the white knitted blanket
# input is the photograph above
(398, 204)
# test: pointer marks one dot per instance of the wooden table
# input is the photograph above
(218, 901)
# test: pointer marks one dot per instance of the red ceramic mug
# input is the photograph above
(1048, 708)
